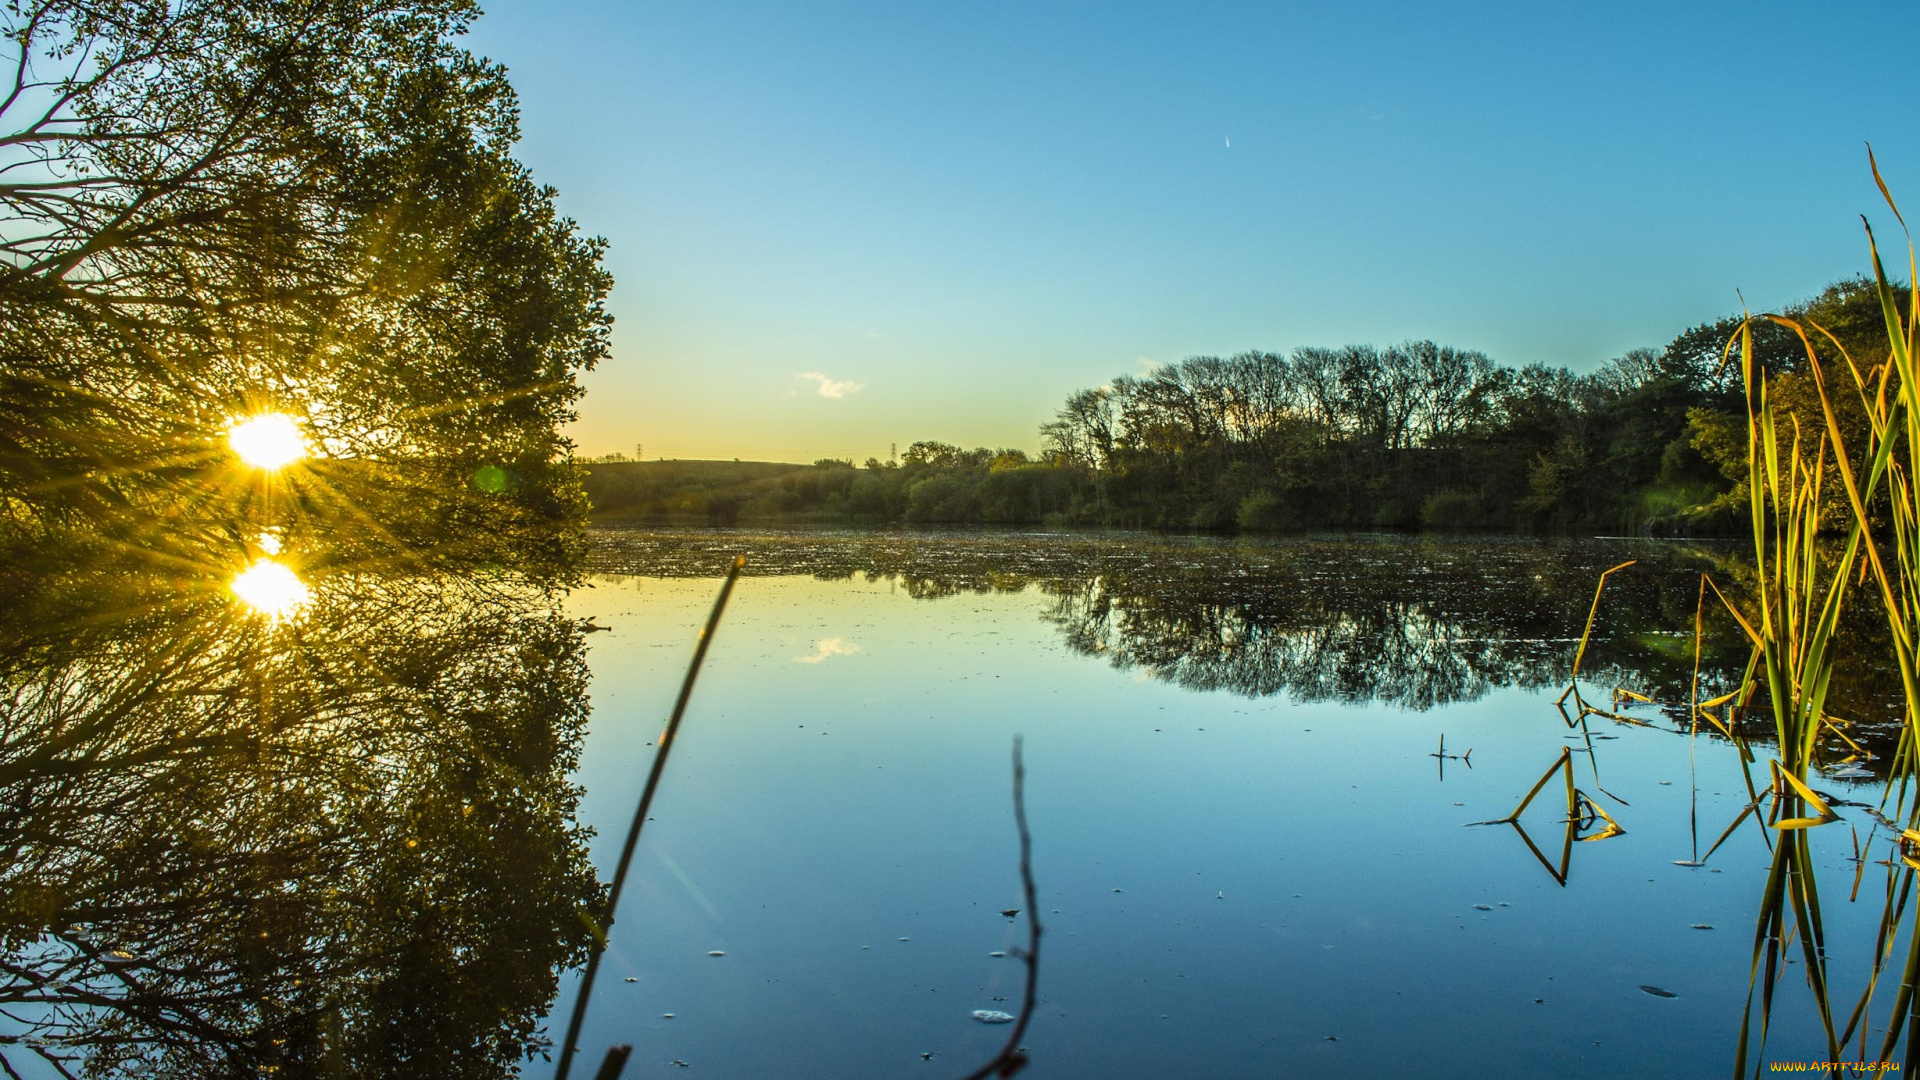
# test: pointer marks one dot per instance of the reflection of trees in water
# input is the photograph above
(1260, 642)
(1413, 621)
(1433, 633)
(1406, 620)
(1389, 650)
(342, 846)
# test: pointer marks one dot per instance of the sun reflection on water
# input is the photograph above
(271, 589)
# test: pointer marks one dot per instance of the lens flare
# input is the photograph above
(267, 441)
(270, 589)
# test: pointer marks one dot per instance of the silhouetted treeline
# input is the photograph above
(1408, 436)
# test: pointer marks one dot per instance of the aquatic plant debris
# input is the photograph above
(992, 1016)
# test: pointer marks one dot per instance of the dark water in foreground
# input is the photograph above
(353, 843)
(1249, 862)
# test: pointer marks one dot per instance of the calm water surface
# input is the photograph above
(1249, 862)
(353, 843)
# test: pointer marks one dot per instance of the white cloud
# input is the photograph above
(833, 388)
(826, 647)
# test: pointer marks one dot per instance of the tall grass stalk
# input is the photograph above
(1890, 394)
(1791, 621)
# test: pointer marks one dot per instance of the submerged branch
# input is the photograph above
(1013, 1057)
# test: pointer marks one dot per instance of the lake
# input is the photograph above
(1249, 858)
(1265, 782)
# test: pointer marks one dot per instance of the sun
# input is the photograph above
(267, 440)
(271, 589)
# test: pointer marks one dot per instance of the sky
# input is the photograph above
(839, 226)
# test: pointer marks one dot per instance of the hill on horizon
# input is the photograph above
(671, 489)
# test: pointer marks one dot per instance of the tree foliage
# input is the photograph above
(1416, 433)
(210, 208)
(346, 844)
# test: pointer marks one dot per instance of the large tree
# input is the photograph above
(210, 207)
(234, 847)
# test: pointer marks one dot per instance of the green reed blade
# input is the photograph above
(1580, 653)
(1763, 942)
(1564, 761)
(1750, 808)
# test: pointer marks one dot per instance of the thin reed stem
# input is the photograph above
(603, 926)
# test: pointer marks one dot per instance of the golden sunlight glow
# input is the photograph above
(267, 441)
(270, 589)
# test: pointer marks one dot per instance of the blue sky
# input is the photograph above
(953, 215)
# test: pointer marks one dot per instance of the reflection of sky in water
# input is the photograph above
(1236, 879)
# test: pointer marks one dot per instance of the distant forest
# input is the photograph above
(1416, 435)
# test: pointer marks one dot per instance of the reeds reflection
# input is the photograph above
(343, 845)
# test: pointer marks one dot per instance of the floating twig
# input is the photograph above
(1444, 756)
